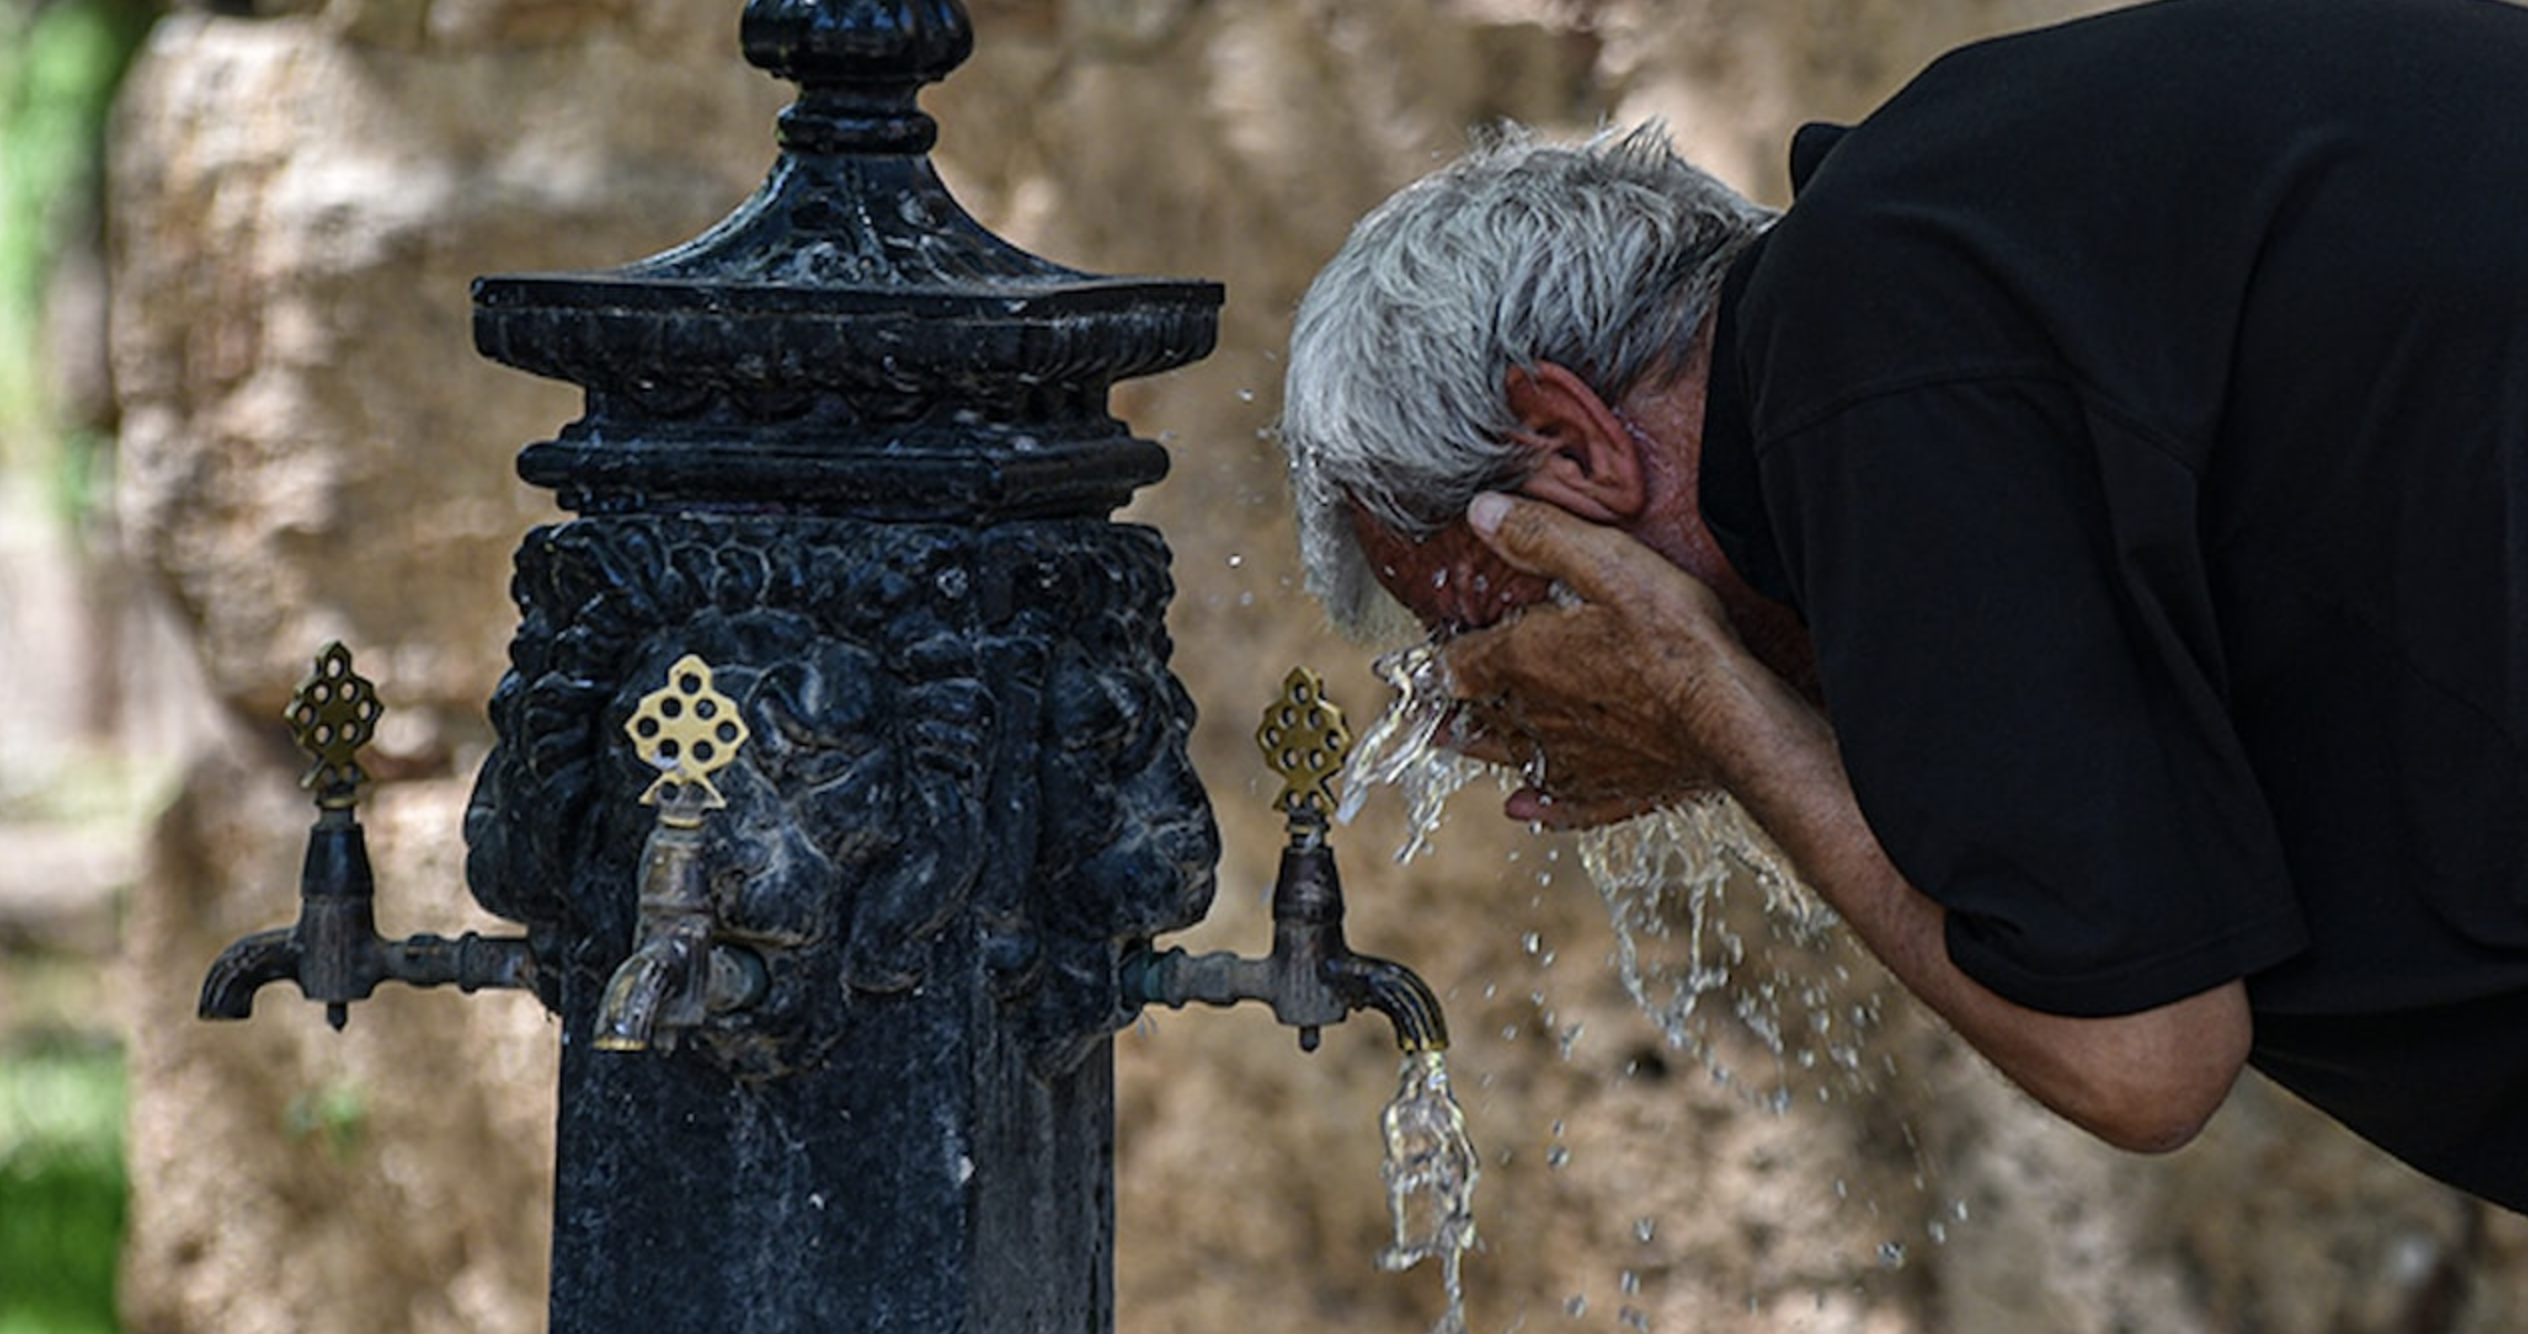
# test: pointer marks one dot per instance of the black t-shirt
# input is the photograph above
(2137, 411)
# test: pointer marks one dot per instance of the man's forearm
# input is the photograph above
(2145, 1081)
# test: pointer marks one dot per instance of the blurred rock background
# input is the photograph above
(240, 414)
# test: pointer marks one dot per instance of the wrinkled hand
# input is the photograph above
(1611, 705)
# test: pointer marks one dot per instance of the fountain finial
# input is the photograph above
(859, 65)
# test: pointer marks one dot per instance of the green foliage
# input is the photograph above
(335, 1116)
(62, 1189)
(60, 63)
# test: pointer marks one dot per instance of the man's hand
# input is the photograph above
(1625, 700)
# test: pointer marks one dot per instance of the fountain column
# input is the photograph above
(851, 455)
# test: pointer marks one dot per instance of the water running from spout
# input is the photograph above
(1430, 1170)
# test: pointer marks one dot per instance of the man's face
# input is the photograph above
(1449, 580)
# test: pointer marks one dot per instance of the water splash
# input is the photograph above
(1717, 941)
(1431, 1170)
(1405, 749)
(1716, 938)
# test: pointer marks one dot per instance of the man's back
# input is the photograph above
(2138, 411)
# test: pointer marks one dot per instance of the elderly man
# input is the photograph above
(2123, 439)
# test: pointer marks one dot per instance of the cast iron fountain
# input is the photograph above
(841, 784)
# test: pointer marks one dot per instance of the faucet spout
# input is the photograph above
(661, 984)
(1395, 991)
(243, 969)
(677, 975)
(656, 981)
(676, 979)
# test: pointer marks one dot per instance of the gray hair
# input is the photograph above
(1601, 256)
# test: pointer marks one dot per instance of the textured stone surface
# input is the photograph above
(290, 1179)
(311, 449)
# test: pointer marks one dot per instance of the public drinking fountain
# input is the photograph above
(840, 789)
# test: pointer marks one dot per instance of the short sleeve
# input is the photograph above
(2022, 662)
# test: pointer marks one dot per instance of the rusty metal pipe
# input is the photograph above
(1311, 978)
(334, 953)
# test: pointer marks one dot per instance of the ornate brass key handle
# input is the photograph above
(688, 731)
(1304, 740)
(332, 714)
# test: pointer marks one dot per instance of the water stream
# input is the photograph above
(1431, 1170)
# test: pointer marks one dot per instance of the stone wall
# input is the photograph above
(311, 450)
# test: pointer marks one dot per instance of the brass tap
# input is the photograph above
(333, 952)
(1311, 978)
(678, 975)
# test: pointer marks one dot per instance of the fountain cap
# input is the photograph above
(849, 340)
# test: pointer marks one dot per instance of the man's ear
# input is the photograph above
(1587, 460)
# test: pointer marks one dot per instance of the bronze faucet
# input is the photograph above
(334, 952)
(678, 975)
(1311, 978)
